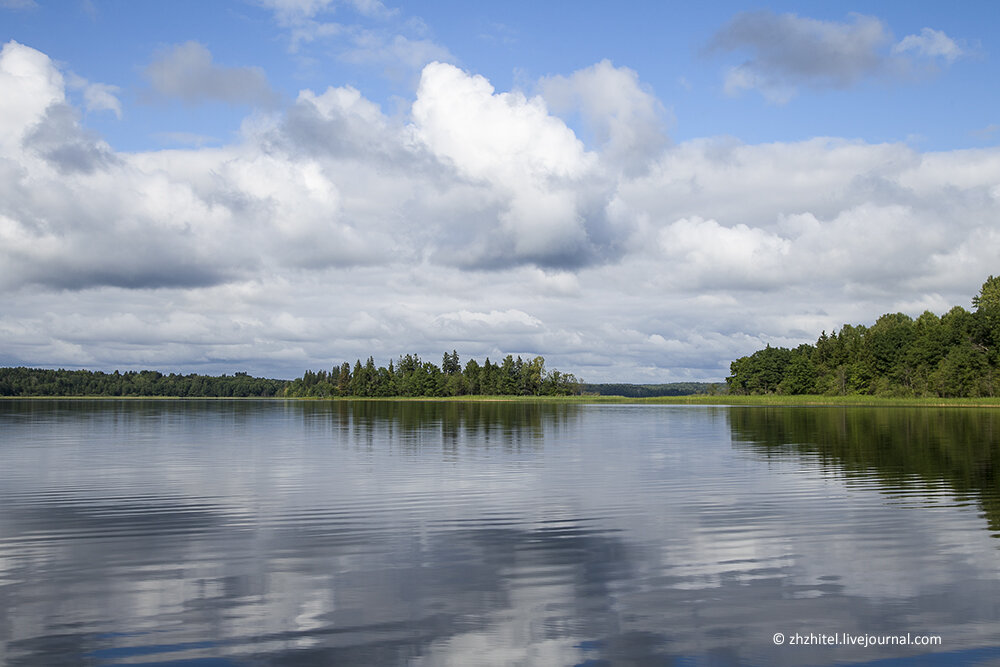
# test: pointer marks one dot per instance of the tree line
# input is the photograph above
(44, 382)
(411, 376)
(954, 355)
(407, 376)
(652, 390)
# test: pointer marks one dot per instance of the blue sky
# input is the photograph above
(668, 44)
(637, 193)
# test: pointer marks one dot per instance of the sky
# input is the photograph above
(638, 193)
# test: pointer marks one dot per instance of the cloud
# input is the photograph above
(296, 8)
(986, 133)
(372, 8)
(454, 108)
(791, 48)
(291, 10)
(186, 72)
(931, 43)
(97, 96)
(375, 47)
(494, 321)
(532, 162)
(18, 4)
(787, 51)
(102, 97)
(742, 255)
(377, 35)
(398, 54)
(60, 140)
(480, 221)
(31, 84)
(340, 122)
(625, 118)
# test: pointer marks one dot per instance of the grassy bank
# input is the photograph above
(806, 400)
(763, 401)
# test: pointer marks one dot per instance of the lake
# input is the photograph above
(243, 532)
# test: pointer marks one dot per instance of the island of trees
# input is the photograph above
(955, 355)
(407, 376)
(410, 376)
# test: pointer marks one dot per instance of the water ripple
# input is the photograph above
(429, 534)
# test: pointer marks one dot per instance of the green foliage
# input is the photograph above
(407, 376)
(987, 317)
(650, 390)
(410, 376)
(43, 382)
(989, 295)
(800, 374)
(761, 372)
(956, 355)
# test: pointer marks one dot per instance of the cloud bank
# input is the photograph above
(479, 221)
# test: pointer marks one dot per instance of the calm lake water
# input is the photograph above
(389, 533)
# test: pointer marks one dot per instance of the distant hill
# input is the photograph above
(648, 390)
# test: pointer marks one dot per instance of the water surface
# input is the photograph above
(423, 533)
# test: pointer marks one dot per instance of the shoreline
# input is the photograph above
(722, 401)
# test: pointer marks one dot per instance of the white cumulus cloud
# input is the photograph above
(627, 120)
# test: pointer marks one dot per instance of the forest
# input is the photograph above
(44, 382)
(408, 376)
(954, 355)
